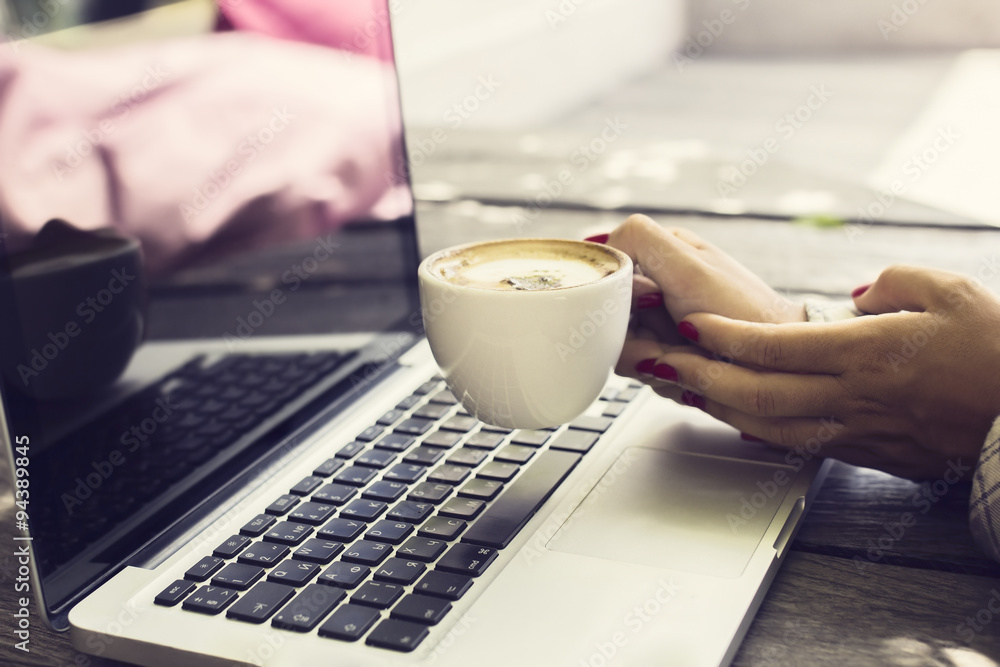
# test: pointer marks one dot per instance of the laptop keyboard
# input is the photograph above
(392, 528)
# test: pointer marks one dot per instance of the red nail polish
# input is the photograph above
(750, 438)
(665, 372)
(858, 291)
(645, 367)
(599, 238)
(687, 330)
(693, 399)
(649, 300)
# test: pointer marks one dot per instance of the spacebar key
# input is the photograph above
(507, 515)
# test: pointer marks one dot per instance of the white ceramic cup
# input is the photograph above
(533, 358)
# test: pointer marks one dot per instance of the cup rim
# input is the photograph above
(625, 262)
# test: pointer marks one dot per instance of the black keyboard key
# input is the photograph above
(318, 551)
(575, 441)
(395, 442)
(483, 439)
(312, 513)
(531, 438)
(422, 548)
(356, 476)
(432, 411)
(421, 609)
(232, 546)
(282, 504)
(468, 559)
(344, 575)
(260, 602)
(409, 402)
(335, 494)
(174, 593)
(391, 417)
(370, 433)
(442, 439)
(263, 554)
(238, 576)
(448, 474)
(429, 493)
(293, 572)
(390, 532)
(462, 508)
(210, 599)
(467, 456)
(426, 388)
(342, 530)
(410, 511)
(351, 449)
(460, 424)
(498, 470)
(609, 394)
(424, 456)
(614, 409)
(377, 594)
(308, 608)
(507, 515)
(306, 486)
(405, 472)
(366, 552)
(627, 395)
(363, 509)
(496, 429)
(288, 532)
(204, 568)
(400, 571)
(385, 490)
(328, 467)
(444, 585)
(442, 528)
(515, 454)
(589, 423)
(349, 622)
(445, 397)
(376, 458)
(414, 426)
(256, 526)
(397, 635)
(483, 489)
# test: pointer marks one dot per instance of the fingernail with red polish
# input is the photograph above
(599, 238)
(645, 367)
(649, 300)
(693, 399)
(665, 372)
(858, 291)
(687, 330)
(750, 438)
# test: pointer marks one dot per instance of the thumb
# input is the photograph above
(902, 287)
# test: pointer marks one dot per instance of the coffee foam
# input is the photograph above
(526, 266)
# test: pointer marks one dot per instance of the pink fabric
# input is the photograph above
(181, 141)
(359, 26)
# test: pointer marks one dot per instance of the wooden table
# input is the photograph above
(856, 588)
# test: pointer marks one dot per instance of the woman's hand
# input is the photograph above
(678, 274)
(911, 389)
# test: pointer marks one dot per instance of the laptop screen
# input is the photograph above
(206, 240)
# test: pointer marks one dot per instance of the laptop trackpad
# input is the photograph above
(689, 512)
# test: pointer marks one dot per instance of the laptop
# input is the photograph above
(266, 468)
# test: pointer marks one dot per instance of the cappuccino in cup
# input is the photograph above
(526, 331)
